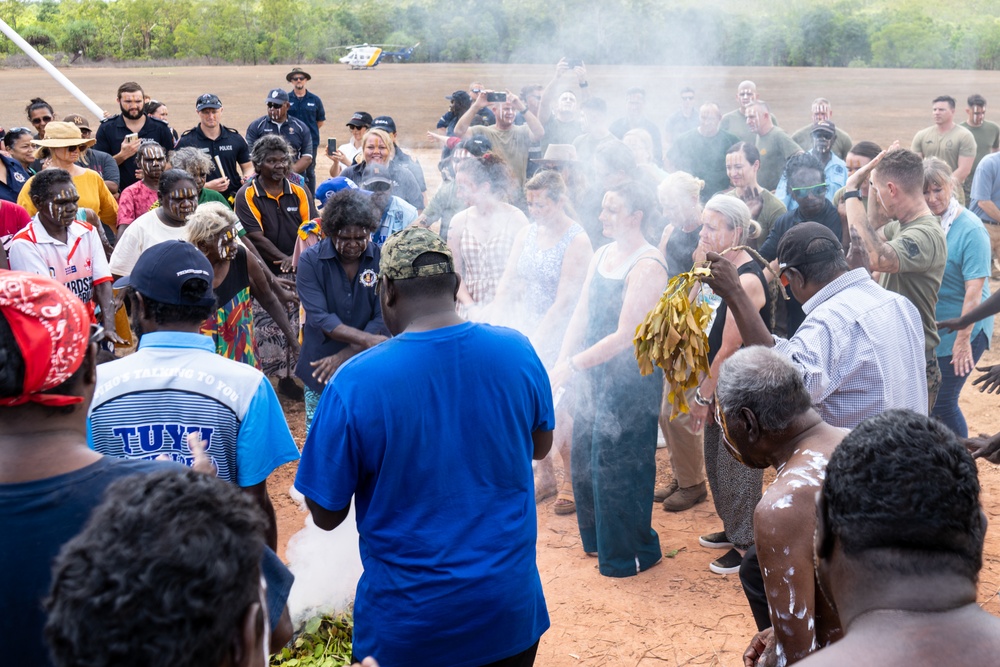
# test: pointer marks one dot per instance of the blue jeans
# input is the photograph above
(946, 408)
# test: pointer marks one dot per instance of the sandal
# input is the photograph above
(565, 503)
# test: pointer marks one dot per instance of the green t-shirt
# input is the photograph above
(735, 123)
(922, 251)
(775, 148)
(987, 138)
(953, 144)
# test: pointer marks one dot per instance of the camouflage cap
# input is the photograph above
(404, 247)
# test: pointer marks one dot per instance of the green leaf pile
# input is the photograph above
(324, 641)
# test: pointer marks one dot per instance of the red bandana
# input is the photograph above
(52, 330)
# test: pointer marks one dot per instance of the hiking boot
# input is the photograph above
(728, 563)
(715, 541)
(663, 492)
(686, 498)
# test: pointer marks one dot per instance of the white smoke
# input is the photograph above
(326, 565)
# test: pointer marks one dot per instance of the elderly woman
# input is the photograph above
(742, 165)
(336, 284)
(140, 197)
(964, 285)
(198, 164)
(379, 148)
(615, 408)
(178, 200)
(481, 237)
(61, 149)
(238, 276)
(271, 209)
(60, 243)
(736, 489)
(680, 200)
(537, 295)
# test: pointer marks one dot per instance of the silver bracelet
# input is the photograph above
(699, 399)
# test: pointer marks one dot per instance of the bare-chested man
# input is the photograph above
(901, 573)
(767, 419)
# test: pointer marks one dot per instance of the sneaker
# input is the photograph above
(686, 498)
(663, 492)
(715, 541)
(728, 563)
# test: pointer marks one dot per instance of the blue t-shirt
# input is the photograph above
(430, 432)
(969, 257)
(36, 519)
(145, 404)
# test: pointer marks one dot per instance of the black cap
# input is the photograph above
(459, 96)
(360, 119)
(384, 123)
(277, 96)
(208, 101)
(826, 127)
(793, 245)
(477, 145)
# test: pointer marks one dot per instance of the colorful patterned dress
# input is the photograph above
(232, 325)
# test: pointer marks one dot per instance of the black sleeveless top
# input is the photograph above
(715, 335)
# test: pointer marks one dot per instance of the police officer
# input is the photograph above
(292, 130)
(216, 140)
(307, 107)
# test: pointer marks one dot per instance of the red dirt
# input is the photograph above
(678, 613)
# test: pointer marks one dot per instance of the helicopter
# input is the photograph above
(368, 56)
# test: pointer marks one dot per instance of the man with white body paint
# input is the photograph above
(767, 419)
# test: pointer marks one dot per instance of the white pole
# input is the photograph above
(48, 67)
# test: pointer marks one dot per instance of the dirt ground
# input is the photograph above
(678, 613)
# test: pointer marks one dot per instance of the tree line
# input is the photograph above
(965, 34)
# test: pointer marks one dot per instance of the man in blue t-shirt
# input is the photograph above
(148, 403)
(443, 489)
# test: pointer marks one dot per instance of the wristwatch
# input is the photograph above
(699, 399)
(851, 194)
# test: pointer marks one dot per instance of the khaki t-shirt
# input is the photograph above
(922, 251)
(953, 144)
(513, 145)
(775, 148)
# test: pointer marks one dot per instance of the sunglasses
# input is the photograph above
(298, 78)
(810, 189)
(43, 119)
(274, 106)
(73, 149)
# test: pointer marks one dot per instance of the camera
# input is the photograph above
(496, 97)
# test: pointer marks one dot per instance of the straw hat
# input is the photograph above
(59, 135)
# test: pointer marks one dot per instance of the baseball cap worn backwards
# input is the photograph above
(404, 247)
(52, 330)
(162, 270)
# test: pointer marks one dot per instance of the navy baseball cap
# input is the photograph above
(162, 270)
(477, 145)
(277, 96)
(384, 123)
(208, 101)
